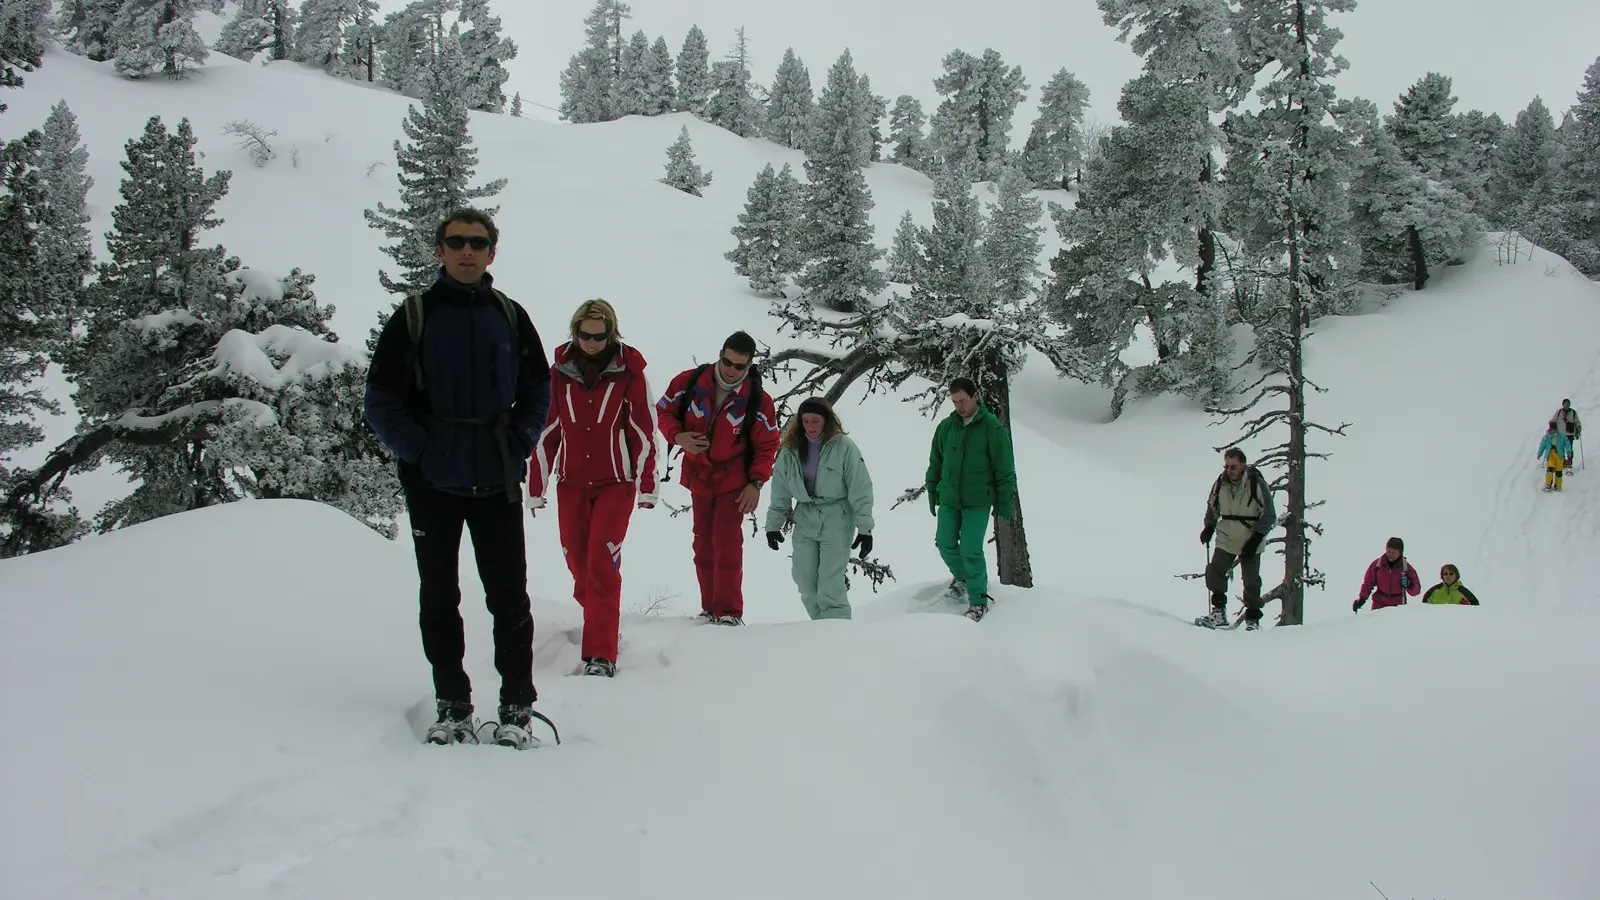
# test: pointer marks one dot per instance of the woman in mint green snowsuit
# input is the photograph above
(820, 482)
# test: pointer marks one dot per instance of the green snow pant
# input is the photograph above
(960, 539)
(822, 536)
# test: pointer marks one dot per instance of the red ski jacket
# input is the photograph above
(599, 435)
(721, 468)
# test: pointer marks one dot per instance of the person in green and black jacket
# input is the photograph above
(971, 472)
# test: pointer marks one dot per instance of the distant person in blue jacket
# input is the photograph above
(1554, 450)
(461, 402)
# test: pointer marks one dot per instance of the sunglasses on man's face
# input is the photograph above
(737, 367)
(593, 337)
(456, 242)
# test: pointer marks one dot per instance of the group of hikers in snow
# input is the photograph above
(1555, 450)
(471, 406)
(1240, 514)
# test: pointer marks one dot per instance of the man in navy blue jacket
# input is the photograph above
(462, 405)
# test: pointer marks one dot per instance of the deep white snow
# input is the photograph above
(228, 703)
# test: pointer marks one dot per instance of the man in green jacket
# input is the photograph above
(971, 471)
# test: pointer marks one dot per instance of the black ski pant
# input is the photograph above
(495, 525)
(1220, 572)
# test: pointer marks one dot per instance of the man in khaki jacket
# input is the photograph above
(1240, 513)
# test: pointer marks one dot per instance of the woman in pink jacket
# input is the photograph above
(1389, 579)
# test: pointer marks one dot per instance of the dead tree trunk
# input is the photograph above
(1296, 555)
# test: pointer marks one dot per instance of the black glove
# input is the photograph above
(1356, 606)
(864, 541)
(1253, 545)
(774, 538)
(1205, 535)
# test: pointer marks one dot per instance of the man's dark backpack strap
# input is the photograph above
(752, 412)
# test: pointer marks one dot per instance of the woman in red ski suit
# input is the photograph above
(599, 444)
(1389, 579)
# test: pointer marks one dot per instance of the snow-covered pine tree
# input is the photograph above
(836, 236)
(158, 36)
(63, 219)
(1424, 126)
(436, 168)
(516, 105)
(259, 26)
(908, 145)
(875, 108)
(1576, 231)
(486, 51)
(338, 36)
(766, 252)
(683, 173)
(1285, 173)
(1521, 188)
(971, 129)
(84, 27)
(24, 31)
(1474, 166)
(790, 103)
(905, 254)
(1011, 240)
(694, 73)
(589, 83)
(29, 332)
(633, 88)
(408, 42)
(1050, 155)
(658, 79)
(1406, 221)
(733, 103)
(1148, 200)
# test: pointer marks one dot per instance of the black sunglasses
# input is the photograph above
(592, 337)
(456, 242)
(737, 367)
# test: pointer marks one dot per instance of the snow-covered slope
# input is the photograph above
(200, 719)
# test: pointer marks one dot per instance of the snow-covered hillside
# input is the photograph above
(221, 724)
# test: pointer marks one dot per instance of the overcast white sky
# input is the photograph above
(1500, 54)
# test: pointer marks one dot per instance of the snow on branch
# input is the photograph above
(281, 355)
(253, 139)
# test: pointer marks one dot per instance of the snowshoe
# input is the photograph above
(976, 611)
(598, 666)
(727, 620)
(1252, 624)
(1217, 618)
(705, 616)
(515, 728)
(956, 591)
(455, 724)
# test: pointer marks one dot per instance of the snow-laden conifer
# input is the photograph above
(589, 83)
(836, 235)
(63, 218)
(790, 104)
(693, 72)
(908, 144)
(767, 253)
(436, 171)
(158, 36)
(658, 80)
(1051, 154)
(84, 27)
(259, 26)
(486, 52)
(683, 173)
(905, 254)
(733, 103)
(971, 127)
(633, 82)
(337, 35)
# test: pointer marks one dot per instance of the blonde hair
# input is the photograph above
(596, 310)
(794, 434)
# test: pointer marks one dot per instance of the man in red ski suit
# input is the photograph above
(599, 443)
(728, 452)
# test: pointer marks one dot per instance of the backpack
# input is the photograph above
(415, 318)
(1256, 480)
(752, 409)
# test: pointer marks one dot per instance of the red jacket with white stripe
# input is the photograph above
(600, 435)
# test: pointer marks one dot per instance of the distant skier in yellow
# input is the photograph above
(1553, 450)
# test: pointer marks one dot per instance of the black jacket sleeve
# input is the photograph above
(388, 384)
(533, 387)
